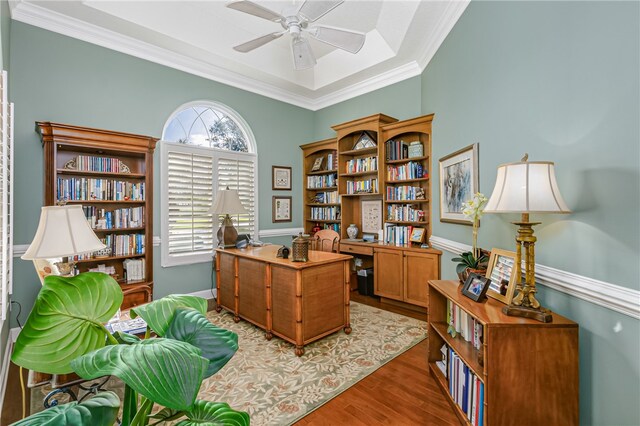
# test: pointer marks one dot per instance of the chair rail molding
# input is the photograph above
(607, 295)
(280, 232)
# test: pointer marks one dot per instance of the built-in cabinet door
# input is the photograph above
(418, 269)
(388, 273)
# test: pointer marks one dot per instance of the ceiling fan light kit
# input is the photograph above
(295, 21)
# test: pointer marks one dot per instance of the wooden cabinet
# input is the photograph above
(387, 275)
(320, 185)
(111, 175)
(528, 370)
(418, 269)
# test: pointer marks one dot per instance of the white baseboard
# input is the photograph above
(607, 295)
(205, 294)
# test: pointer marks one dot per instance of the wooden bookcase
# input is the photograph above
(326, 152)
(529, 369)
(62, 145)
(347, 136)
(404, 176)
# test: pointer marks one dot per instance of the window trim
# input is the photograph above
(166, 260)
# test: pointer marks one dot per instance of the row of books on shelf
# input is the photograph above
(332, 160)
(396, 149)
(332, 226)
(124, 245)
(329, 197)
(397, 234)
(325, 213)
(134, 269)
(466, 389)
(362, 186)
(322, 181)
(408, 213)
(86, 189)
(357, 165)
(405, 193)
(410, 170)
(90, 163)
(132, 217)
(463, 324)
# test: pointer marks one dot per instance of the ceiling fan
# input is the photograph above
(295, 21)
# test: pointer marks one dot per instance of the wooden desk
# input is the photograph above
(298, 301)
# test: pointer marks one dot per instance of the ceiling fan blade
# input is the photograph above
(254, 9)
(303, 57)
(351, 41)
(255, 43)
(314, 10)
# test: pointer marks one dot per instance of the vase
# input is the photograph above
(465, 274)
(352, 231)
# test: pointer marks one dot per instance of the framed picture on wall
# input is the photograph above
(371, 216)
(281, 209)
(281, 178)
(458, 183)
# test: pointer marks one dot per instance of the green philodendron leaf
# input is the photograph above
(206, 413)
(165, 415)
(65, 321)
(166, 371)
(101, 410)
(217, 344)
(126, 338)
(159, 313)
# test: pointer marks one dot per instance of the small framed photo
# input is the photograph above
(317, 165)
(281, 178)
(458, 183)
(281, 209)
(417, 235)
(503, 274)
(475, 287)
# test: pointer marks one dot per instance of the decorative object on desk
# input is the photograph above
(283, 252)
(317, 164)
(371, 216)
(503, 278)
(300, 248)
(280, 209)
(526, 187)
(281, 178)
(366, 140)
(475, 287)
(65, 333)
(476, 259)
(417, 235)
(352, 231)
(458, 182)
(227, 202)
(63, 232)
(468, 263)
(415, 149)
(369, 238)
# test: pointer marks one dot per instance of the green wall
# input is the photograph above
(57, 78)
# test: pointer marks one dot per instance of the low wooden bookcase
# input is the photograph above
(529, 369)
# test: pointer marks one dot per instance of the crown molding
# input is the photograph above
(610, 296)
(47, 19)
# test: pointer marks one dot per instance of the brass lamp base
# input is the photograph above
(227, 234)
(539, 314)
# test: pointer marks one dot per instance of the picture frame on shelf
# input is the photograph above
(317, 164)
(281, 178)
(458, 183)
(417, 235)
(371, 216)
(503, 274)
(281, 209)
(475, 287)
(366, 140)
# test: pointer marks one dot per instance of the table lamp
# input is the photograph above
(526, 187)
(227, 202)
(63, 231)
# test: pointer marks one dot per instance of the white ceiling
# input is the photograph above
(198, 36)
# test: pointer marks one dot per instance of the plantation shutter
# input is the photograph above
(238, 172)
(6, 197)
(189, 196)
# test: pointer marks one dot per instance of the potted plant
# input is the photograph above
(65, 333)
(476, 259)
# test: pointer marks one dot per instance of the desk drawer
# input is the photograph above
(356, 249)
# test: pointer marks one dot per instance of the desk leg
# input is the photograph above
(299, 340)
(347, 288)
(216, 260)
(236, 290)
(269, 335)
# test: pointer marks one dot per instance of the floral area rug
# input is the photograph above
(275, 387)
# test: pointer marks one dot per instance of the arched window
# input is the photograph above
(206, 146)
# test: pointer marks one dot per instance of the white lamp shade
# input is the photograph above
(526, 187)
(227, 202)
(62, 231)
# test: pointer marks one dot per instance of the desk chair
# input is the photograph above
(326, 240)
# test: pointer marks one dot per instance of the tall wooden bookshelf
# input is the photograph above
(117, 160)
(527, 370)
(321, 201)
